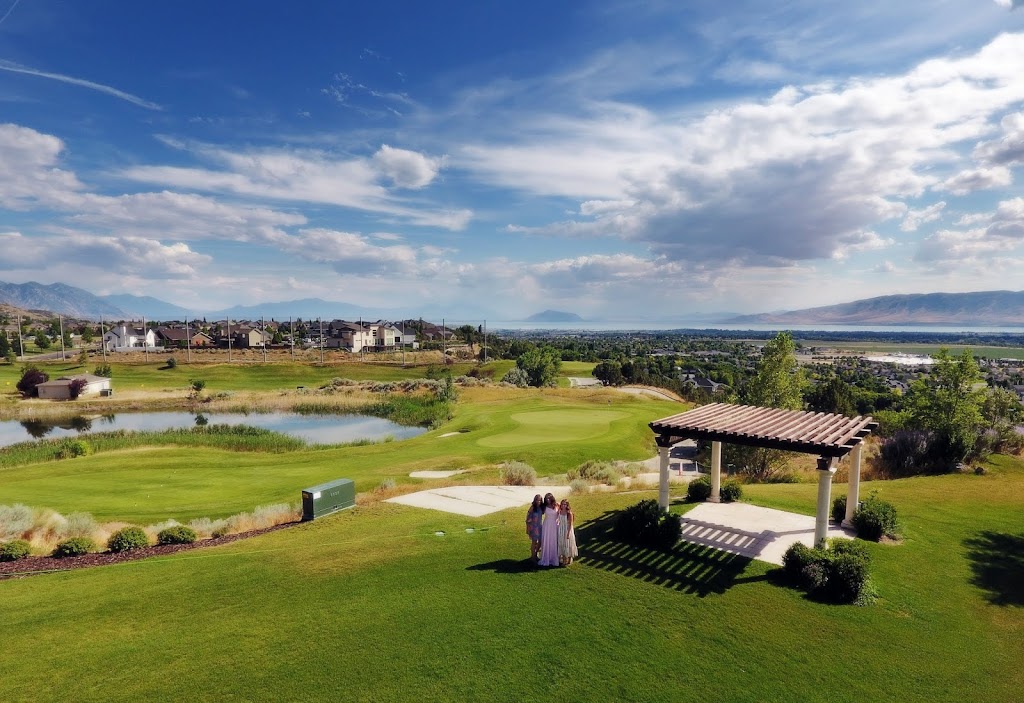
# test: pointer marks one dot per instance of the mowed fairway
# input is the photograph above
(371, 605)
(553, 430)
(554, 426)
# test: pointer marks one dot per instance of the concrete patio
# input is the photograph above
(476, 501)
(751, 531)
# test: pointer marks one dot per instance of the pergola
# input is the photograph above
(828, 435)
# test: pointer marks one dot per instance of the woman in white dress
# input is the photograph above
(566, 534)
(549, 533)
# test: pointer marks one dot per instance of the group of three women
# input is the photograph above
(550, 528)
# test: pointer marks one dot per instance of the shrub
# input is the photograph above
(103, 370)
(70, 448)
(644, 524)
(517, 377)
(179, 534)
(578, 486)
(74, 547)
(127, 539)
(875, 519)
(730, 491)
(12, 551)
(796, 558)
(699, 489)
(517, 473)
(907, 452)
(172, 362)
(30, 378)
(838, 573)
(386, 485)
(76, 387)
(80, 525)
(839, 509)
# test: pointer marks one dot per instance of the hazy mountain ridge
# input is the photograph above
(977, 308)
(57, 298)
(554, 316)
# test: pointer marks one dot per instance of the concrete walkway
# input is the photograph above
(475, 501)
(750, 531)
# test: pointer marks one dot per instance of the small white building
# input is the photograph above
(60, 389)
(124, 338)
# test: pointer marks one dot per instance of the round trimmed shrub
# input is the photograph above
(644, 524)
(839, 509)
(699, 489)
(127, 539)
(179, 534)
(847, 578)
(74, 547)
(12, 551)
(798, 556)
(172, 362)
(875, 519)
(730, 491)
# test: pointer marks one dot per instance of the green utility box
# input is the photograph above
(328, 498)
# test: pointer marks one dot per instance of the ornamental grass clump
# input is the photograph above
(127, 539)
(15, 521)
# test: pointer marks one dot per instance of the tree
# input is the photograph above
(30, 378)
(778, 381)
(833, 396)
(609, 373)
(541, 364)
(103, 370)
(948, 405)
(76, 387)
(87, 334)
(42, 341)
(5, 344)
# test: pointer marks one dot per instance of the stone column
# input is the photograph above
(853, 485)
(826, 469)
(663, 478)
(716, 473)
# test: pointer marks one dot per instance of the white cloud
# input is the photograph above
(1010, 149)
(29, 170)
(406, 169)
(788, 179)
(950, 248)
(885, 267)
(916, 218)
(104, 254)
(973, 179)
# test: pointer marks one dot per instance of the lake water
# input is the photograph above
(314, 429)
(646, 326)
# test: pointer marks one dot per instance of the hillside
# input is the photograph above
(58, 298)
(554, 316)
(979, 308)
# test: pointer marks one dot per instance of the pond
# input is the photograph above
(314, 429)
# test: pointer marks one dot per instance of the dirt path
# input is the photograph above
(651, 392)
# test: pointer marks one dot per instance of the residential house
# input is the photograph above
(249, 338)
(124, 338)
(171, 337)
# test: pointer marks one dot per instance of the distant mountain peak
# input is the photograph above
(554, 316)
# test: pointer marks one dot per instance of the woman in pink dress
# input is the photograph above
(549, 533)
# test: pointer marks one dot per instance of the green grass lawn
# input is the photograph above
(913, 348)
(239, 375)
(370, 605)
(551, 430)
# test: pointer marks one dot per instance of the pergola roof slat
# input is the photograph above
(827, 434)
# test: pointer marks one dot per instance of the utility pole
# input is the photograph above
(263, 337)
(291, 324)
(485, 341)
(362, 340)
(60, 320)
(145, 337)
(229, 339)
(403, 342)
(321, 339)
(444, 345)
(188, 342)
(103, 342)
(21, 337)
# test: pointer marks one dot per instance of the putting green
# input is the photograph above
(554, 426)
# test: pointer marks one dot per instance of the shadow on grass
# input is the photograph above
(997, 560)
(507, 566)
(690, 568)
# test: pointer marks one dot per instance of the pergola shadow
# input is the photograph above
(688, 567)
(997, 565)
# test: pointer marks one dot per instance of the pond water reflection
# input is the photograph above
(314, 429)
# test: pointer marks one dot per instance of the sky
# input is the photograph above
(617, 159)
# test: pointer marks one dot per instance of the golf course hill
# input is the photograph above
(980, 308)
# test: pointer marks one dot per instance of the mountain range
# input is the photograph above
(980, 308)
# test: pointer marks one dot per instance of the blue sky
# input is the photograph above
(494, 159)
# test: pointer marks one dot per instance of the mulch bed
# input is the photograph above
(38, 565)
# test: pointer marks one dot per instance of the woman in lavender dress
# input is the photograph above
(534, 519)
(567, 550)
(549, 533)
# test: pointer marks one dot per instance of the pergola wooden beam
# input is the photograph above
(829, 435)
